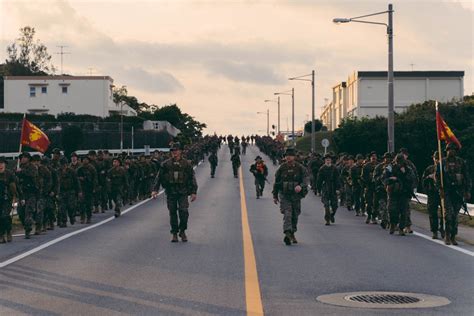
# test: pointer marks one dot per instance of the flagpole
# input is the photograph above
(21, 138)
(440, 157)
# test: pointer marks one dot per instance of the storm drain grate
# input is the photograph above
(383, 299)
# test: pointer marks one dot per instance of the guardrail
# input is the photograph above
(424, 199)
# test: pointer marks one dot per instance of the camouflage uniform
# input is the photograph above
(69, 191)
(399, 180)
(329, 181)
(369, 191)
(380, 194)
(117, 181)
(45, 188)
(457, 186)
(287, 178)
(51, 199)
(88, 178)
(260, 172)
(434, 200)
(178, 179)
(29, 188)
(235, 163)
(213, 161)
(356, 186)
(8, 192)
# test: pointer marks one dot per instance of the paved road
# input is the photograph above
(128, 265)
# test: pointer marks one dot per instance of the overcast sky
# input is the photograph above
(219, 60)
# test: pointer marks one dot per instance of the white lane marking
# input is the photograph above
(59, 239)
(467, 252)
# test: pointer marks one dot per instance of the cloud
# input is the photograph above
(245, 72)
(149, 81)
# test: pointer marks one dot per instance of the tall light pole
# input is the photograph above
(389, 26)
(313, 131)
(268, 120)
(292, 93)
(121, 125)
(278, 102)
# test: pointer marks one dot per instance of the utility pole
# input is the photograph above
(62, 53)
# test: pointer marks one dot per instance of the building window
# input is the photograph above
(64, 89)
(32, 91)
(44, 90)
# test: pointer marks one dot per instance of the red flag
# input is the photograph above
(444, 132)
(33, 137)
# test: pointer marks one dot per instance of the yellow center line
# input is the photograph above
(253, 297)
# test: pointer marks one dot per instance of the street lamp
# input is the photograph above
(268, 120)
(302, 78)
(389, 26)
(292, 93)
(276, 101)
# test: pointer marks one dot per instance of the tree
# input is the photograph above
(72, 138)
(317, 126)
(27, 56)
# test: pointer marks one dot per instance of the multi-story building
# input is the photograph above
(365, 94)
(91, 95)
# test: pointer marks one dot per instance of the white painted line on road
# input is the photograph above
(467, 252)
(59, 239)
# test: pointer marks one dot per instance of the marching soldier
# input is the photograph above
(178, 179)
(291, 185)
(45, 186)
(260, 172)
(235, 163)
(213, 161)
(369, 189)
(346, 176)
(27, 175)
(405, 154)
(88, 178)
(117, 182)
(380, 198)
(355, 175)
(399, 180)
(313, 166)
(8, 195)
(457, 187)
(434, 200)
(51, 199)
(329, 181)
(69, 194)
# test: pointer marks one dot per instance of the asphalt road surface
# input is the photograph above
(234, 264)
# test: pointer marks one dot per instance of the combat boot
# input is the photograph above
(435, 235)
(453, 241)
(28, 234)
(293, 238)
(367, 220)
(442, 233)
(287, 239)
(383, 224)
(174, 238)
(401, 232)
(117, 213)
(408, 230)
(447, 240)
(2, 239)
(333, 219)
(392, 229)
(38, 230)
(9, 236)
(183, 236)
(96, 210)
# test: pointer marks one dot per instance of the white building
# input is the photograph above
(161, 126)
(365, 94)
(61, 94)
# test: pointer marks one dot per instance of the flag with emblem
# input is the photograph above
(444, 132)
(33, 137)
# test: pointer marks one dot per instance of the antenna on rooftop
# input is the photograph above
(62, 53)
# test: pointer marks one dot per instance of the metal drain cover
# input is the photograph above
(383, 300)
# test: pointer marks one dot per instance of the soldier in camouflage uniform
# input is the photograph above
(51, 199)
(355, 175)
(177, 178)
(434, 200)
(380, 194)
(399, 181)
(8, 194)
(88, 178)
(315, 163)
(457, 188)
(291, 185)
(69, 194)
(260, 172)
(102, 167)
(235, 163)
(369, 189)
(346, 177)
(328, 180)
(45, 187)
(405, 154)
(29, 187)
(213, 161)
(117, 182)
(96, 197)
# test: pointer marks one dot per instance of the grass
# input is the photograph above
(462, 220)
